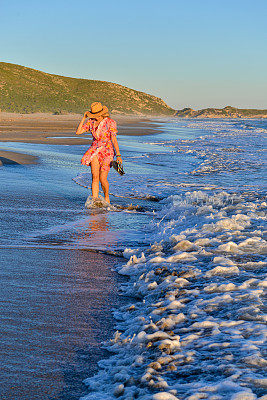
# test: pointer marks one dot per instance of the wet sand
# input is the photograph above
(55, 310)
(13, 158)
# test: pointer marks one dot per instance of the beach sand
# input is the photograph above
(12, 157)
(44, 128)
(60, 129)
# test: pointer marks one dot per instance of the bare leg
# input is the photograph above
(105, 184)
(95, 169)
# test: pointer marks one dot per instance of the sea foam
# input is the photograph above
(195, 328)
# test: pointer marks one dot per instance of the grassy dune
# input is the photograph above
(26, 90)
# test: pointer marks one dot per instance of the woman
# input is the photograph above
(101, 153)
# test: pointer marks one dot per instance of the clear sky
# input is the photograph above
(194, 53)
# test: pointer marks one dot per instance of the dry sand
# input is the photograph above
(47, 128)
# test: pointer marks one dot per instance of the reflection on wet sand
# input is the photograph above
(95, 231)
(56, 309)
(91, 232)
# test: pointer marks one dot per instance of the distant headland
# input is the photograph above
(25, 90)
(226, 112)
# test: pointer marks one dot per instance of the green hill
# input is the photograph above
(226, 112)
(27, 90)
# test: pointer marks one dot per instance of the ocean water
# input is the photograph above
(189, 218)
(196, 328)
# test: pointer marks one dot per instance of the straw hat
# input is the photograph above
(97, 110)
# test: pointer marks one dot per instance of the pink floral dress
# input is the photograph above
(102, 146)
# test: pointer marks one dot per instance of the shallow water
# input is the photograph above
(190, 218)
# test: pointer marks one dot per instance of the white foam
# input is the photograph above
(196, 329)
(229, 247)
(243, 395)
(164, 396)
(184, 245)
(238, 222)
(127, 253)
(223, 261)
(95, 203)
(222, 271)
(181, 256)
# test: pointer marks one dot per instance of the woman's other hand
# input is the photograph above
(86, 114)
(119, 159)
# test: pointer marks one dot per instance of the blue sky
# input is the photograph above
(196, 54)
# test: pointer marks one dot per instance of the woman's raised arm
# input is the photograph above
(80, 129)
